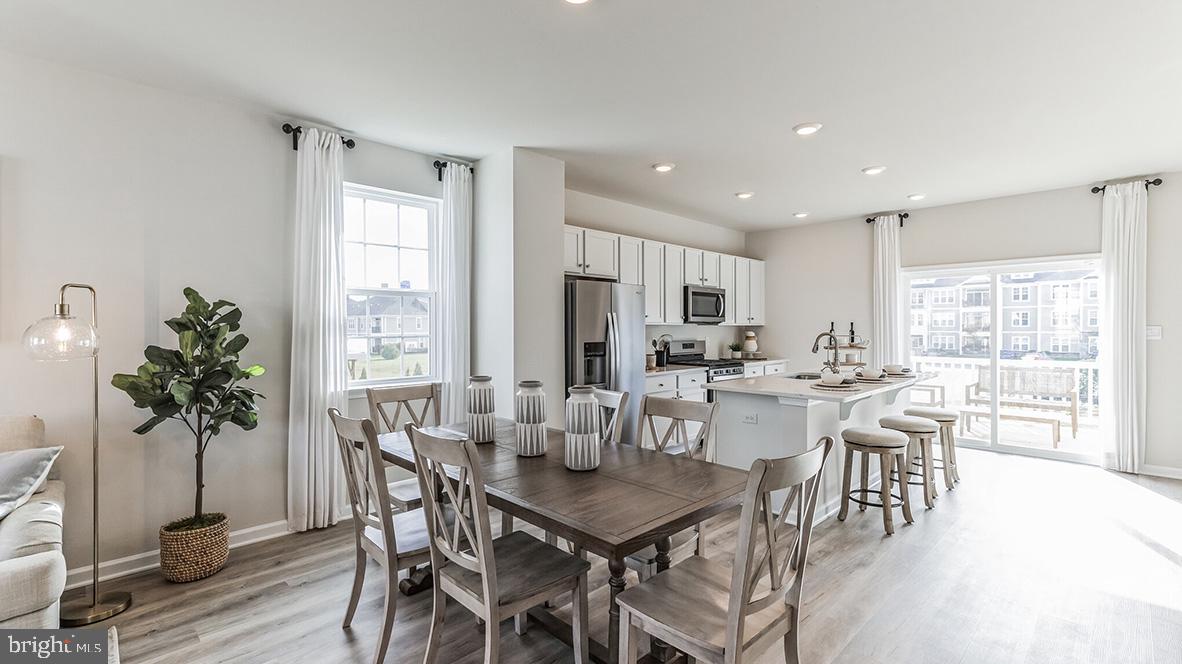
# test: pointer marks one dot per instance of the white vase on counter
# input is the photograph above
(530, 413)
(482, 419)
(582, 429)
(750, 342)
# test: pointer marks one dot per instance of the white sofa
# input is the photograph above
(32, 566)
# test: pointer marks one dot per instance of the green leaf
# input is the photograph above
(254, 370)
(236, 344)
(168, 409)
(124, 382)
(162, 357)
(147, 371)
(149, 425)
(195, 298)
(188, 340)
(231, 318)
(219, 304)
(215, 379)
(182, 392)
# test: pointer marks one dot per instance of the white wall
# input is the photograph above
(142, 192)
(822, 272)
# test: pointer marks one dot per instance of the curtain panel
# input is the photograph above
(889, 331)
(455, 258)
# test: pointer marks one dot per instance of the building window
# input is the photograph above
(1093, 317)
(944, 296)
(1060, 345)
(390, 283)
(1020, 319)
(1093, 289)
(917, 298)
(1093, 346)
(944, 320)
(917, 319)
(976, 298)
(1060, 319)
(1020, 343)
(1020, 294)
(943, 342)
(1060, 292)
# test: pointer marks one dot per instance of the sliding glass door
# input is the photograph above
(1012, 348)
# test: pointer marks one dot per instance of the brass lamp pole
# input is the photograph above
(63, 337)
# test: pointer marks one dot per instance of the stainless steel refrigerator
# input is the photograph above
(605, 341)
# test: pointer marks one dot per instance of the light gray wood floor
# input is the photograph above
(1027, 561)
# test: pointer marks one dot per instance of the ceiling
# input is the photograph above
(959, 100)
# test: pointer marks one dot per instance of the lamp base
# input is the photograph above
(79, 611)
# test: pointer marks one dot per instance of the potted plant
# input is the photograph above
(736, 350)
(200, 384)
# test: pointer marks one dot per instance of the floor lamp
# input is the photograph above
(62, 337)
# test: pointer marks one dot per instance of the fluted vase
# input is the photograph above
(582, 429)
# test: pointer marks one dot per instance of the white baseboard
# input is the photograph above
(148, 560)
(1167, 472)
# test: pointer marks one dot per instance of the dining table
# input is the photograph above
(637, 497)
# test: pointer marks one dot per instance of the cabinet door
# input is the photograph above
(726, 281)
(654, 282)
(752, 370)
(631, 261)
(758, 292)
(601, 254)
(674, 277)
(572, 249)
(743, 291)
(710, 269)
(693, 266)
(773, 369)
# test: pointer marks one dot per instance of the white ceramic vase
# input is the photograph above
(582, 429)
(482, 420)
(529, 406)
(750, 342)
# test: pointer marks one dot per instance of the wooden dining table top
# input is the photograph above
(636, 496)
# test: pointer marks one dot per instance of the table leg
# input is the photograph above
(659, 650)
(617, 568)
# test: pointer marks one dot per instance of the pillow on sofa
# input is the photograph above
(22, 472)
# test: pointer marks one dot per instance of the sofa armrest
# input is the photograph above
(31, 583)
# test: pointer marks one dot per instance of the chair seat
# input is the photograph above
(909, 424)
(525, 566)
(875, 437)
(684, 540)
(941, 415)
(405, 493)
(410, 531)
(691, 600)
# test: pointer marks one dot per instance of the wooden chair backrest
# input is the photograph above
(781, 549)
(611, 414)
(401, 397)
(449, 473)
(365, 477)
(676, 435)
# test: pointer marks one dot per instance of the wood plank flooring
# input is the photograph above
(1026, 561)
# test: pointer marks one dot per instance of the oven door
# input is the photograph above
(704, 305)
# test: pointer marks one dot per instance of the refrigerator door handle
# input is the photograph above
(616, 352)
(612, 351)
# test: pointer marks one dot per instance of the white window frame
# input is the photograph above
(942, 320)
(1060, 344)
(1019, 319)
(918, 301)
(944, 296)
(1093, 289)
(432, 205)
(1023, 290)
(1020, 342)
(1056, 289)
(1093, 318)
(1060, 319)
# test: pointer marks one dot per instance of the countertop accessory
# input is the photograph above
(530, 413)
(582, 429)
(750, 342)
(650, 361)
(482, 421)
(736, 350)
(835, 388)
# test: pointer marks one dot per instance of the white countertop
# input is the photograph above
(782, 386)
(672, 369)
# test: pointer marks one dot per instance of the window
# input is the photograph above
(1060, 319)
(1093, 289)
(976, 298)
(943, 342)
(1093, 346)
(917, 297)
(1020, 294)
(1060, 345)
(390, 285)
(975, 321)
(1093, 317)
(1020, 319)
(944, 296)
(1060, 292)
(944, 320)
(1020, 343)
(917, 319)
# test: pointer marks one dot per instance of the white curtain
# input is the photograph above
(1122, 324)
(888, 330)
(318, 378)
(455, 258)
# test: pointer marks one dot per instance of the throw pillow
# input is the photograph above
(21, 473)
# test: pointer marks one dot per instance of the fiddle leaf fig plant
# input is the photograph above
(199, 383)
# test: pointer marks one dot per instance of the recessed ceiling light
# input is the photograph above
(916, 197)
(576, 2)
(745, 194)
(873, 170)
(664, 167)
(801, 215)
(808, 128)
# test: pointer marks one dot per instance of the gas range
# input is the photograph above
(692, 352)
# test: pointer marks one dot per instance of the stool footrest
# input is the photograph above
(875, 503)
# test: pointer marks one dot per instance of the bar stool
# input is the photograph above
(947, 420)
(921, 431)
(891, 448)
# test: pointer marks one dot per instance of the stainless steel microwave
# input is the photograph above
(704, 305)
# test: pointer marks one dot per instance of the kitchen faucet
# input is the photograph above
(831, 364)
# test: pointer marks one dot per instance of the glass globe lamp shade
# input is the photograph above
(59, 338)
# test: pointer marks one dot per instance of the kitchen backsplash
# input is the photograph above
(717, 337)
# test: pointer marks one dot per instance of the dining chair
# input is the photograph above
(396, 541)
(718, 613)
(492, 578)
(426, 398)
(611, 414)
(667, 421)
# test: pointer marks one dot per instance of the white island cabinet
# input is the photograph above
(777, 416)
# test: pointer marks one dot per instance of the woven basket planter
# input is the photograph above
(189, 555)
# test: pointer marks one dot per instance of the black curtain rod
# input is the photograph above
(440, 165)
(902, 216)
(295, 137)
(1148, 183)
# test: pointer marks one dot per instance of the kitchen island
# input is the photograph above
(777, 416)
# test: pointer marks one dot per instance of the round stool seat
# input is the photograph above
(875, 437)
(909, 424)
(938, 414)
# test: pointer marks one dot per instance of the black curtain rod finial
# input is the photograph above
(439, 166)
(902, 216)
(1155, 182)
(297, 130)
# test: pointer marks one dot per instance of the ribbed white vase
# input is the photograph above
(582, 429)
(482, 420)
(530, 414)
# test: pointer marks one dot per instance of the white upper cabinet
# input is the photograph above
(572, 249)
(742, 298)
(693, 266)
(709, 271)
(726, 281)
(654, 282)
(601, 254)
(757, 294)
(631, 261)
(674, 276)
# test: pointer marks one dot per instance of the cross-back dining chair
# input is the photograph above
(611, 414)
(395, 541)
(714, 613)
(492, 578)
(419, 402)
(667, 422)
